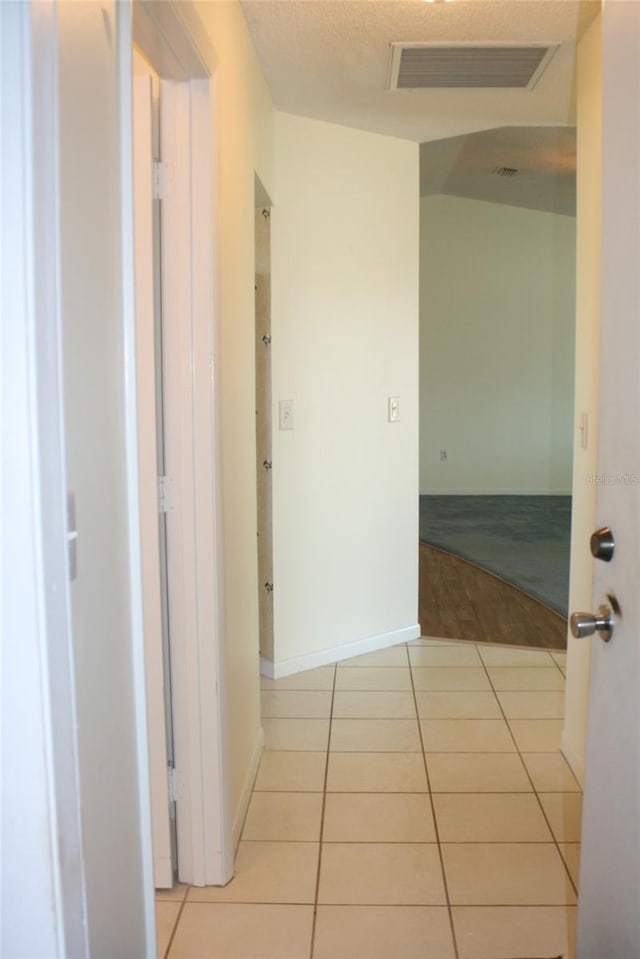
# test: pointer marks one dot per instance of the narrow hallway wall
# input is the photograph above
(242, 123)
(345, 339)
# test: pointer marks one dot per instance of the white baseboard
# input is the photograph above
(336, 653)
(247, 789)
(267, 668)
(496, 492)
(573, 759)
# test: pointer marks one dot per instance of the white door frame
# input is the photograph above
(148, 479)
(181, 56)
(44, 902)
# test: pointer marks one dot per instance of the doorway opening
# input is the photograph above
(497, 329)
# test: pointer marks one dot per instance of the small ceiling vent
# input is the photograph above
(506, 171)
(427, 66)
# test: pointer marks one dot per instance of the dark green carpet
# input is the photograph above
(523, 539)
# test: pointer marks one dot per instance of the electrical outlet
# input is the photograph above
(443, 454)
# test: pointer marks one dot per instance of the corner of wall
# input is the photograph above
(242, 804)
(345, 240)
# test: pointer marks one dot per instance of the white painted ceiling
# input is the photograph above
(544, 158)
(329, 60)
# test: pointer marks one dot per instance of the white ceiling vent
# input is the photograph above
(427, 66)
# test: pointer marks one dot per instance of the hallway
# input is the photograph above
(445, 824)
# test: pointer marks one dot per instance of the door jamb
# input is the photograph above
(179, 49)
(147, 469)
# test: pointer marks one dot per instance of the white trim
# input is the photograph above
(196, 618)
(147, 468)
(125, 84)
(496, 492)
(573, 758)
(208, 502)
(173, 40)
(219, 633)
(247, 788)
(337, 653)
(171, 37)
(178, 428)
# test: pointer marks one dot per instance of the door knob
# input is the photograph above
(603, 544)
(586, 624)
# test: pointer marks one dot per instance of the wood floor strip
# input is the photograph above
(459, 600)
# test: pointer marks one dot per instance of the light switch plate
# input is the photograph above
(394, 409)
(285, 414)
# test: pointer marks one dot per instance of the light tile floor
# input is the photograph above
(410, 804)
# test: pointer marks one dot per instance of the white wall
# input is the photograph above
(497, 314)
(345, 338)
(589, 223)
(243, 116)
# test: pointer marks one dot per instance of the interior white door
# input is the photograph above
(148, 472)
(609, 904)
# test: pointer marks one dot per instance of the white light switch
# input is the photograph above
(394, 409)
(285, 414)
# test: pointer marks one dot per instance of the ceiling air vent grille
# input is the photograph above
(425, 66)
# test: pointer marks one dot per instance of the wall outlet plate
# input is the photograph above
(285, 414)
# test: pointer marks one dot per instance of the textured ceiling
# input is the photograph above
(329, 60)
(545, 158)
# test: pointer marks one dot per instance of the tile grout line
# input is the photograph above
(533, 786)
(327, 753)
(433, 814)
(385, 905)
(411, 842)
(165, 954)
(322, 811)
